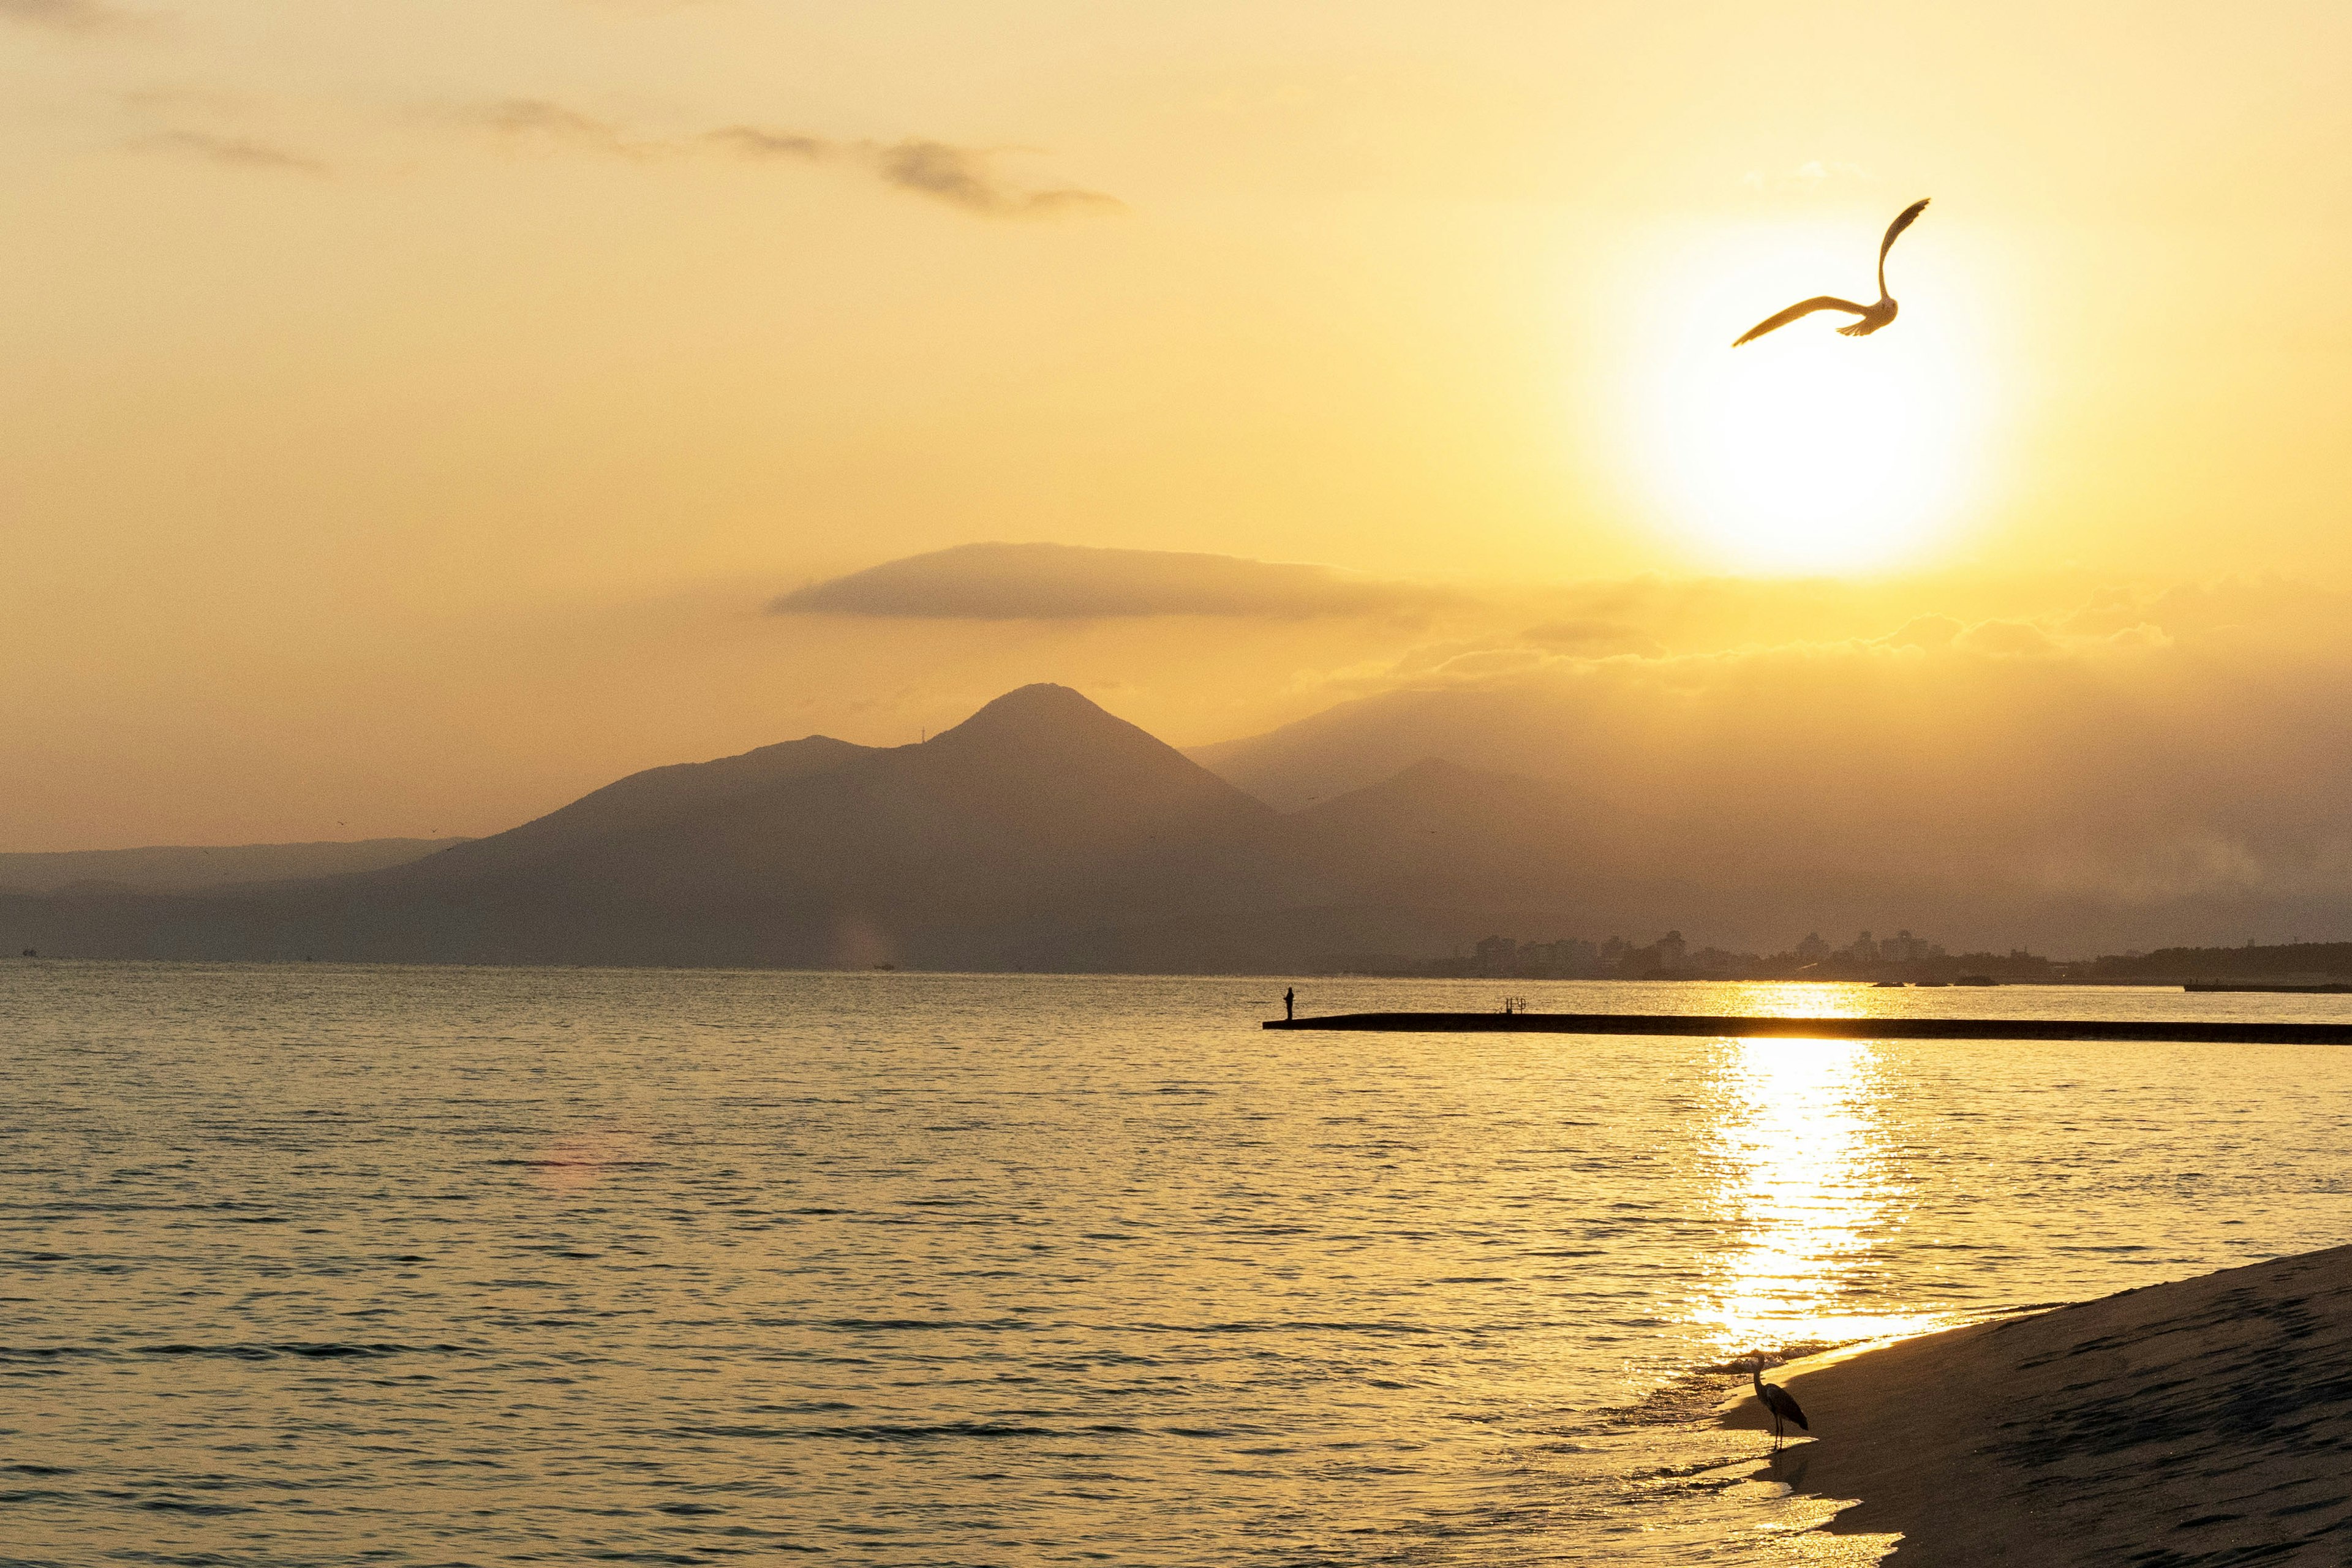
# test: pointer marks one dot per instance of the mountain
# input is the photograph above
(183, 869)
(1038, 817)
(1988, 799)
(1043, 833)
(1443, 834)
(1360, 743)
(1497, 850)
(640, 802)
(1020, 838)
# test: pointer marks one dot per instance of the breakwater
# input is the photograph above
(1719, 1026)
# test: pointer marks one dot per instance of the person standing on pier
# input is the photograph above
(1289, 1001)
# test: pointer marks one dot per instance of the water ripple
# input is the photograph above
(312, 1266)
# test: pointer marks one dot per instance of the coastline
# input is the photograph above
(2204, 1420)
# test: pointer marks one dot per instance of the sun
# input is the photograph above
(1806, 452)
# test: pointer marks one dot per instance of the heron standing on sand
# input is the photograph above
(1778, 1401)
(1873, 316)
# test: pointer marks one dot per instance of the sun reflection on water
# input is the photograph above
(1798, 999)
(1803, 1189)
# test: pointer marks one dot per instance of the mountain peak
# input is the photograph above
(1036, 712)
(1042, 697)
(1044, 746)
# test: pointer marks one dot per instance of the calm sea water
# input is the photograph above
(319, 1266)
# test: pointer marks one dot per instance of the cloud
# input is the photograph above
(1068, 581)
(531, 117)
(1925, 631)
(235, 152)
(1592, 638)
(2007, 640)
(963, 177)
(1571, 646)
(750, 142)
(66, 15)
(960, 178)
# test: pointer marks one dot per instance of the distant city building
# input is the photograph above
(1496, 955)
(1908, 955)
(1566, 959)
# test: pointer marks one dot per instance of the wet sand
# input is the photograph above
(2205, 1421)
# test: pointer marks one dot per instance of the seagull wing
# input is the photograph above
(1903, 220)
(1802, 308)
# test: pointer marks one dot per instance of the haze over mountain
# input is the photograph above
(1044, 833)
(2112, 784)
(183, 869)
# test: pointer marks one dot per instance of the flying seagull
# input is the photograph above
(1777, 1399)
(1873, 316)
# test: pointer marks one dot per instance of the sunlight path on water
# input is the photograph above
(1805, 1187)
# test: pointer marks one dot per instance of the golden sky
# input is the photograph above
(410, 408)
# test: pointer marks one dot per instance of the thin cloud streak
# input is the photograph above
(750, 142)
(64, 15)
(961, 177)
(1070, 583)
(525, 118)
(235, 153)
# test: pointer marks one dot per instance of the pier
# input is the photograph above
(1717, 1026)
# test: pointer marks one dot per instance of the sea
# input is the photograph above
(313, 1265)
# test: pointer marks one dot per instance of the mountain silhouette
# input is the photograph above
(1016, 839)
(1987, 800)
(1043, 833)
(1439, 832)
(639, 803)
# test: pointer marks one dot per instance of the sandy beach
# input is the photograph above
(2204, 1421)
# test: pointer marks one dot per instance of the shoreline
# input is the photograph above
(2205, 1420)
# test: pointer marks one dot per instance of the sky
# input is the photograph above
(418, 413)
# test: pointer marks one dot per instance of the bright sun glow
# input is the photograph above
(1805, 451)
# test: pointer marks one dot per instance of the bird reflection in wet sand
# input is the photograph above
(1873, 316)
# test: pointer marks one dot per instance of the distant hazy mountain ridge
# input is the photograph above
(1042, 833)
(177, 868)
(1996, 800)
